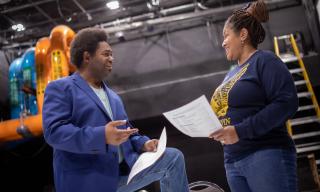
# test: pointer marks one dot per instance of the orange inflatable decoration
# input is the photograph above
(42, 68)
(52, 56)
(59, 51)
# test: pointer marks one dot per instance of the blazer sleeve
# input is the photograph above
(136, 139)
(60, 133)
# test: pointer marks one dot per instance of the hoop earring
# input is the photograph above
(242, 43)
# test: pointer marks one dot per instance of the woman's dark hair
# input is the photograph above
(250, 18)
(86, 40)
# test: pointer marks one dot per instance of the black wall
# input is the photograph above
(4, 86)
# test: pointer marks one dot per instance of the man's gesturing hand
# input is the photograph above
(115, 136)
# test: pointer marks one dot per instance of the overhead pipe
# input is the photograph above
(17, 8)
(146, 16)
(42, 12)
(83, 10)
(218, 14)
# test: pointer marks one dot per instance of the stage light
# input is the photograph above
(18, 27)
(113, 5)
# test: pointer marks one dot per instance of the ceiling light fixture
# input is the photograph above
(155, 2)
(69, 19)
(120, 36)
(18, 27)
(113, 5)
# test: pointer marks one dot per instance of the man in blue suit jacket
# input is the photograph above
(86, 124)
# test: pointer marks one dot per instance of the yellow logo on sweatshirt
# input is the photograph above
(219, 100)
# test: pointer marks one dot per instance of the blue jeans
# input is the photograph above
(169, 169)
(264, 171)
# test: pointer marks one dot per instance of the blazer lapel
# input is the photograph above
(82, 84)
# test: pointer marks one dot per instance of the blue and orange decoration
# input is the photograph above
(29, 76)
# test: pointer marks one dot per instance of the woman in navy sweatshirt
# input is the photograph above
(253, 103)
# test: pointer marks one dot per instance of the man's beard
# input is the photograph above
(104, 76)
(101, 76)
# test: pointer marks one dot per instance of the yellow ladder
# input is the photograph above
(290, 58)
(301, 69)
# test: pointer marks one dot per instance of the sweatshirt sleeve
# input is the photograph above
(281, 97)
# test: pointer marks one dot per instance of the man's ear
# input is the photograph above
(244, 35)
(86, 58)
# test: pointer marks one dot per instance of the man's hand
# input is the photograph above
(227, 135)
(150, 146)
(115, 136)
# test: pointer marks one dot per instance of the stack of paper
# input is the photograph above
(195, 119)
(147, 159)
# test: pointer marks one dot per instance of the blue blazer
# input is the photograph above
(74, 122)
